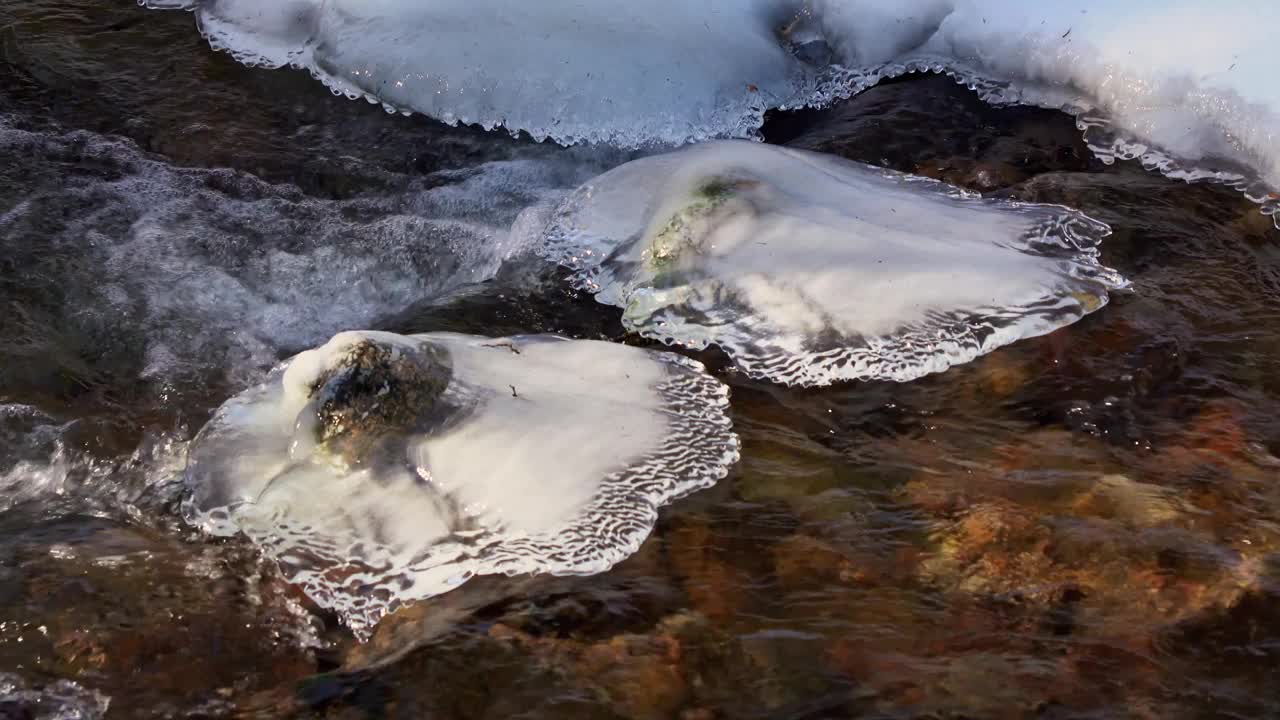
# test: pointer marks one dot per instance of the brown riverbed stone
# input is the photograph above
(150, 621)
(713, 586)
(683, 665)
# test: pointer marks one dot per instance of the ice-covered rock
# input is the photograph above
(380, 469)
(809, 269)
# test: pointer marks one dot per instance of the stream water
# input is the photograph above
(1083, 525)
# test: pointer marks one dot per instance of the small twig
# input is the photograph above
(508, 346)
(514, 394)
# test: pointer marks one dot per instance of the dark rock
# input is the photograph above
(930, 125)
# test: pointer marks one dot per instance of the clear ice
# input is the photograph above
(808, 269)
(380, 469)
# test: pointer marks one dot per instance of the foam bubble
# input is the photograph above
(809, 269)
(380, 469)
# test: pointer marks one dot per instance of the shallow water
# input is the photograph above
(1081, 525)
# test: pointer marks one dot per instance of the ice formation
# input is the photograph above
(54, 700)
(1188, 85)
(809, 269)
(382, 468)
(621, 72)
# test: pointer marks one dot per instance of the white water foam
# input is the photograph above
(1189, 80)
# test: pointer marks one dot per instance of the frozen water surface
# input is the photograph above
(1188, 87)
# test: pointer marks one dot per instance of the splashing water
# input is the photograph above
(810, 270)
(195, 268)
(382, 468)
(60, 700)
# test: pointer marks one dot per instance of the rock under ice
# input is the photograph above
(808, 269)
(380, 469)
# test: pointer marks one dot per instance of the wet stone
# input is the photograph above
(898, 125)
(377, 391)
(680, 665)
(710, 581)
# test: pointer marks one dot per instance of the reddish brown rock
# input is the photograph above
(712, 585)
(122, 609)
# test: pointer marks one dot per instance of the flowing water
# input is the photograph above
(1083, 525)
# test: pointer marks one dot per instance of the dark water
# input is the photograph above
(1085, 525)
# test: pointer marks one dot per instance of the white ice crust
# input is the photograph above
(561, 455)
(813, 269)
(1186, 83)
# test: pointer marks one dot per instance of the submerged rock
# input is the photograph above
(1133, 503)
(685, 666)
(148, 621)
(1117, 550)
